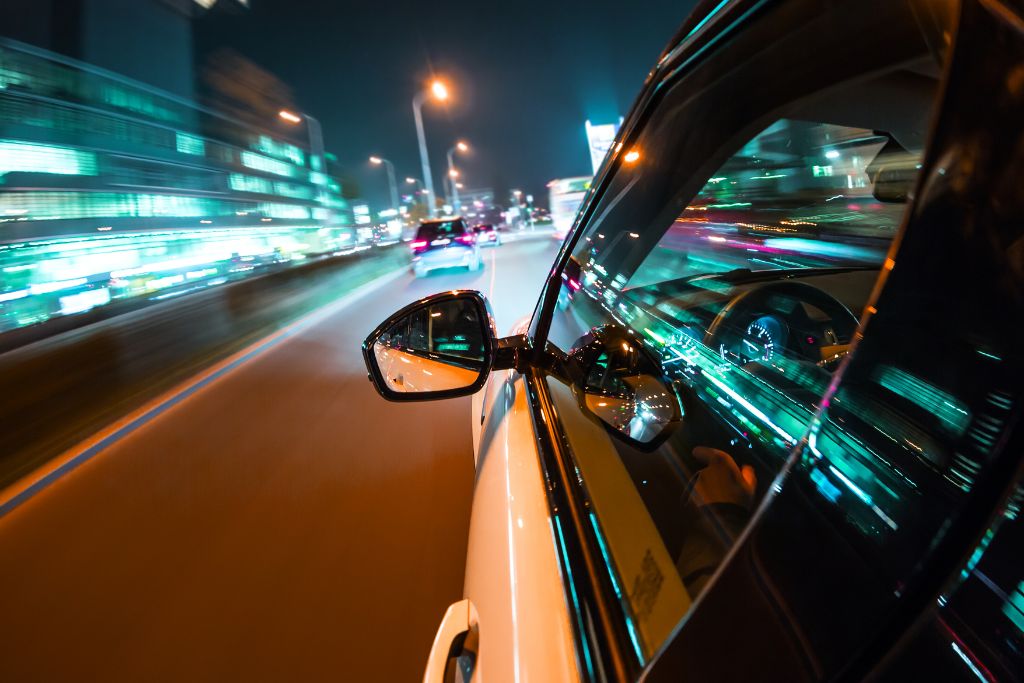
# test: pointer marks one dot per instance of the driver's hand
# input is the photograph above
(721, 480)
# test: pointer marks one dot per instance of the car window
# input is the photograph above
(747, 280)
(439, 230)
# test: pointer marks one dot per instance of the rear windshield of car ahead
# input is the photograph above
(432, 231)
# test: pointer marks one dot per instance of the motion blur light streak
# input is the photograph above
(22, 491)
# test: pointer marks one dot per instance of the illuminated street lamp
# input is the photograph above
(377, 161)
(317, 163)
(459, 146)
(438, 91)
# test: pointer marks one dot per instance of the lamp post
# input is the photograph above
(453, 173)
(517, 200)
(377, 161)
(439, 92)
(316, 152)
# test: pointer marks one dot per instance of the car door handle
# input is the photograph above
(458, 619)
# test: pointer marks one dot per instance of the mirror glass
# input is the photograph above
(438, 347)
(623, 387)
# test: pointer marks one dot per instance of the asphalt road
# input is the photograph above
(272, 519)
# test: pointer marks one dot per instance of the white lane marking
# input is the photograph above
(31, 484)
(494, 268)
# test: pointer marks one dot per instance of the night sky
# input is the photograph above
(524, 77)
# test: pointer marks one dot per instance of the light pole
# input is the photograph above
(453, 173)
(417, 193)
(517, 200)
(438, 91)
(316, 151)
(391, 180)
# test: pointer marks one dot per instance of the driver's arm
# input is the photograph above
(722, 497)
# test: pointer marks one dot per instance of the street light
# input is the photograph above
(439, 92)
(459, 146)
(377, 161)
(316, 154)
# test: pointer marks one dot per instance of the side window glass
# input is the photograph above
(750, 297)
(746, 282)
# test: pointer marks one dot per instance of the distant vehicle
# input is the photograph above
(566, 195)
(447, 243)
(487, 235)
(765, 421)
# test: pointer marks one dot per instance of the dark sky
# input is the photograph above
(525, 75)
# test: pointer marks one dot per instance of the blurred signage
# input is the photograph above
(600, 137)
(361, 213)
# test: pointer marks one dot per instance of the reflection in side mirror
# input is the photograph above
(438, 347)
(622, 384)
(893, 173)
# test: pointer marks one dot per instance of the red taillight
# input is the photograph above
(418, 244)
(465, 239)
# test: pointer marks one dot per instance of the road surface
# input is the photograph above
(273, 519)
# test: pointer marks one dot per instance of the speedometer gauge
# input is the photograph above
(758, 344)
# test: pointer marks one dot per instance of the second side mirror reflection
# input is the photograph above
(622, 384)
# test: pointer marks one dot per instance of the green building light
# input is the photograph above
(34, 158)
(190, 144)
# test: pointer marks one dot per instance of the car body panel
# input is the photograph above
(512, 571)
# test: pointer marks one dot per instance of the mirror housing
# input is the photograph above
(439, 347)
(621, 384)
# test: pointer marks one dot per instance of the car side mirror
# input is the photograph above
(439, 347)
(621, 383)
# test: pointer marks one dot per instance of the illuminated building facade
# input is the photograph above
(111, 188)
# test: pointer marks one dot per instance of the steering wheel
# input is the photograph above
(766, 317)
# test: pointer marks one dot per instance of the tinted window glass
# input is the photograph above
(441, 229)
(747, 281)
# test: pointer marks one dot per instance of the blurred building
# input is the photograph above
(113, 188)
(600, 138)
(147, 40)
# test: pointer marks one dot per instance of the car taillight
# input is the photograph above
(418, 244)
(465, 239)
